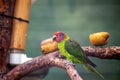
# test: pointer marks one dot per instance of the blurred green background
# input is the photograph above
(78, 18)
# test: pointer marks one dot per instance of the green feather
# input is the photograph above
(73, 52)
(89, 67)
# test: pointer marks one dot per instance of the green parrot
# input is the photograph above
(73, 51)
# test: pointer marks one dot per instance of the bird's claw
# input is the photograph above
(61, 56)
(69, 63)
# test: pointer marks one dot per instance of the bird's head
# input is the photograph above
(59, 36)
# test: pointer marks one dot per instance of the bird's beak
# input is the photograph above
(54, 38)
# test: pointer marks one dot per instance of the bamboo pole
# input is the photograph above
(19, 33)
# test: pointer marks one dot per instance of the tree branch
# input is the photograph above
(49, 60)
(54, 59)
(112, 52)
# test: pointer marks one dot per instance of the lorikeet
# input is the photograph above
(73, 51)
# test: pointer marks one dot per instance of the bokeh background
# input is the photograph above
(78, 18)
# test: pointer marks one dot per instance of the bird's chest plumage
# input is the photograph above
(64, 52)
(61, 47)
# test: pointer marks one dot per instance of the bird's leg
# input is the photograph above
(61, 56)
(67, 63)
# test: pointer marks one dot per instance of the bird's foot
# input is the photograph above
(69, 63)
(61, 56)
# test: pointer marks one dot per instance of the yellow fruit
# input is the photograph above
(99, 38)
(48, 46)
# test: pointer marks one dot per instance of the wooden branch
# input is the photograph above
(55, 59)
(73, 74)
(112, 52)
(40, 62)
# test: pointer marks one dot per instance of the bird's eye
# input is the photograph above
(61, 35)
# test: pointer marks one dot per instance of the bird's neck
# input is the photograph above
(66, 39)
(62, 43)
(61, 46)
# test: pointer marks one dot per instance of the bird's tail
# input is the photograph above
(90, 62)
(89, 67)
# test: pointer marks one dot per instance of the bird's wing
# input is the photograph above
(74, 49)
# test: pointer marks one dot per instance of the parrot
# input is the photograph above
(73, 52)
